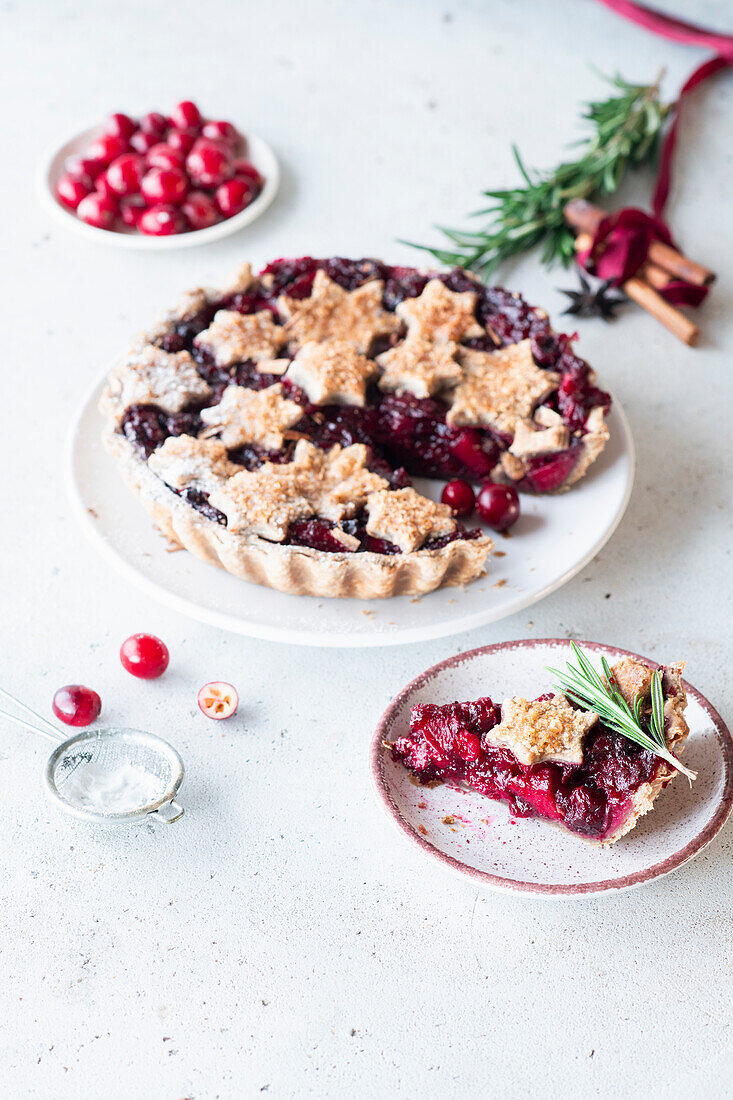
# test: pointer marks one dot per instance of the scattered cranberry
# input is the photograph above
(200, 210)
(143, 142)
(107, 148)
(208, 164)
(168, 185)
(154, 123)
(186, 116)
(163, 156)
(161, 221)
(125, 174)
(76, 705)
(218, 700)
(460, 497)
(144, 656)
(233, 196)
(181, 140)
(498, 505)
(121, 126)
(97, 210)
(71, 191)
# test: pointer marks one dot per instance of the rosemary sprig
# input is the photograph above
(626, 133)
(583, 685)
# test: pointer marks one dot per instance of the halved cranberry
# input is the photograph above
(208, 164)
(71, 191)
(460, 497)
(97, 210)
(107, 148)
(143, 142)
(186, 115)
(161, 221)
(498, 505)
(200, 209)
(166, 185)
(83, 168)
(144, 656)
(164, 156)
(125, 173)
(154, 123)
(246, 170)
(130, 210)
(181, 140)
(218, 130)
(218, 700)
(233, 196)
(76, 705)
(121, 126)
(547, 473)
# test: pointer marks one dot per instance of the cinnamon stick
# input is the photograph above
(584, 217)
(647, 297)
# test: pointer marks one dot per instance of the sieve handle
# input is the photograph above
(55, 736)
(168, 812)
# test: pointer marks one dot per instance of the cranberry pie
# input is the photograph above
(549, 757)
(271, 426)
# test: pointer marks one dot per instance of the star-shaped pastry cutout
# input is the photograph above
(152, 376)
(251, 416)
(546, 729)
(186, 462)
(499, 387)
(440, 314)
(262, 502)
(405, 518)
(234, 337)
(332, 373)
(336, 482)
(419, 366)
(332, 313)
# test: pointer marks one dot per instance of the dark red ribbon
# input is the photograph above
(621, 242)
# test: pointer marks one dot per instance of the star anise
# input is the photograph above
(599, 301)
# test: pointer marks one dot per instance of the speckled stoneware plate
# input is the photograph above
(486, 844)
(553, 540)
(51, 169)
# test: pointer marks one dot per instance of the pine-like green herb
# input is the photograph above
(626, 130)
(582, 685)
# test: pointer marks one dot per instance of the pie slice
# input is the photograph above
(424, 373)
(549, 758)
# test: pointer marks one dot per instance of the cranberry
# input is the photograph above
(121, 126)
(125, 173)
(233, 196)
(186, 116)
(76, 705)
(107, 148)
(71, 191)
(246, 170)
(168, 185)
(181, 140)
(103, 187)
(224, 132)
(218, 700)
(460, 497)
(161, 221)
(208, 164)
(142, 142)
(546, 473)
(498, 505)
(98, 210)
(144, 656)
(83, 168)
(163, 156)
(154, 123)
(200, 209)
(130, 210)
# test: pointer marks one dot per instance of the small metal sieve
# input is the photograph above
(95, 760)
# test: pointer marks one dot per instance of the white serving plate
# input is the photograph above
(485, 844)
(52, 167)
(553, 540)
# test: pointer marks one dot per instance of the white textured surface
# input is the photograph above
(280, 937)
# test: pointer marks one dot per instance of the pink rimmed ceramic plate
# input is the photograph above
(482, 841)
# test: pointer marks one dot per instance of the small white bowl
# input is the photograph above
(53, 166)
